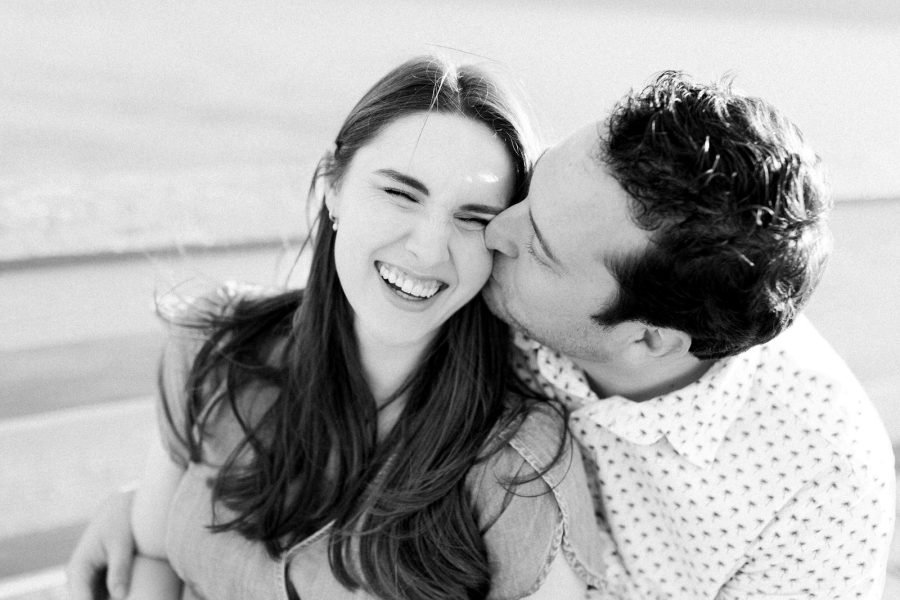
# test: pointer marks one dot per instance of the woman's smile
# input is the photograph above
(409, 286)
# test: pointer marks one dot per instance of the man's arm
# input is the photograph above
(100, 566)
(102, 562)
(830, 541)
(153, 579)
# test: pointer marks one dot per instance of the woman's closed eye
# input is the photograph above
(400, 194)
(474, 221)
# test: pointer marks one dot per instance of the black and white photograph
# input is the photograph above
(397, 300)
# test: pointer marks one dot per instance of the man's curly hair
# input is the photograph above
(735, 201)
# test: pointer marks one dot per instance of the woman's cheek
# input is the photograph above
(478, 261)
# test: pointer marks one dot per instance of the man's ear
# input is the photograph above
(661, 342)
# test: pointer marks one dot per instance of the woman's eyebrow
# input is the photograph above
(404, 179)
(482, 208)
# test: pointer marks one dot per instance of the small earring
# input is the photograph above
(334, 221)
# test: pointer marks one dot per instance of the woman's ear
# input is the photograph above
(324, 187)
(332, 201)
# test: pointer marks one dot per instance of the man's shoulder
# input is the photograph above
(799, 378)
(803, 368)
(803, 347)
(801, 365)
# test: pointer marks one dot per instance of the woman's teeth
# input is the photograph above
(421, 288)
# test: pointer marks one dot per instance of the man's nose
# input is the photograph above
(429, 241)
(499, 235)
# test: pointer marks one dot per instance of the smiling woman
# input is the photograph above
(412, 207)
(365, 437)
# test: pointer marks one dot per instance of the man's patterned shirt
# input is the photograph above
(770, 477)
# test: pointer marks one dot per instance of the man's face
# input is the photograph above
(551, 252)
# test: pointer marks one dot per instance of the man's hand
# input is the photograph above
(100, 566)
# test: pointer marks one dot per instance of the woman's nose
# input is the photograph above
(429, 241)
(499, 235)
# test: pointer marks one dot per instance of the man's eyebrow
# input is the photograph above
(404, 179)
(541, 240)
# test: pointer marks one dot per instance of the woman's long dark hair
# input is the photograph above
(403, 525)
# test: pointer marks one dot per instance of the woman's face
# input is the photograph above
(411, 208)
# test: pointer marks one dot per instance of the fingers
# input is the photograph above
(84, 572)
(104, 554)
(118, 572)
(120, 552)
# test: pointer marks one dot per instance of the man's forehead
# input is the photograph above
(579, 150)
(580, 207)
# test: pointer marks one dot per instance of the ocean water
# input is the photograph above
(142, 125)
(88, 214)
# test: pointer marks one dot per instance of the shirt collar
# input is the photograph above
(694, 419)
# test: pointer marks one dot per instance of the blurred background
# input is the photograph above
(146, 145)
